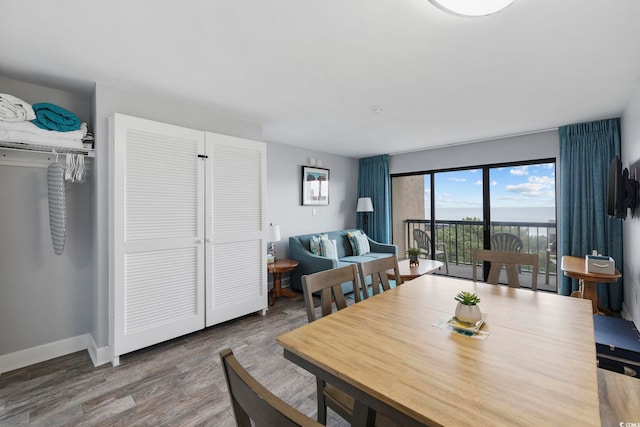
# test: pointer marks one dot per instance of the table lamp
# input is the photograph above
(273, 235)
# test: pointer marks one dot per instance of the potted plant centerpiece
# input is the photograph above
(467, 309)
(413, 256)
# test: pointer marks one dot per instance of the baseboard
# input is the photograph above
(42, 353)
(99, 355)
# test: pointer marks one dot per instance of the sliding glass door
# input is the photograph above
(462, 209)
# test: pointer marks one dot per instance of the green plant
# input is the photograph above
(467, 298)
(413, 251)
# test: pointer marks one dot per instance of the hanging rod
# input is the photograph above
(21, 146)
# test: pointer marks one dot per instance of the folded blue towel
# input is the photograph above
(53, 117)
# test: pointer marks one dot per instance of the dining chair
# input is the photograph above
(252, 402)
(506, 242)
(510, 260)
(423, 241)
(552, 258)
(376, 271)
(328, 284)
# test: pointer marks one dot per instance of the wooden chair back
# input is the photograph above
(510, 260)
(376, 270)
(329, 284)
(251, 401)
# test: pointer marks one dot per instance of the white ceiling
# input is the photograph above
(311, 71)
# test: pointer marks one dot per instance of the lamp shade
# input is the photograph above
(273, 233)
(364, 205)
(472, 7)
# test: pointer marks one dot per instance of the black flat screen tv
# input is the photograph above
(616, 206)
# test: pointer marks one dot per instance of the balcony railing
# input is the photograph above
(461, 237)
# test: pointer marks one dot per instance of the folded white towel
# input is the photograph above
(14, 109)
(28, 127)
(30, 138)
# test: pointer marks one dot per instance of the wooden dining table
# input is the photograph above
(536, 367)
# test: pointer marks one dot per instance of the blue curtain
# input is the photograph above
(374, 181)
(586, 151)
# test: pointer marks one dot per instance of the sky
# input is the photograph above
(515, 186)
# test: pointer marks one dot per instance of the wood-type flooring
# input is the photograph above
(176, 383)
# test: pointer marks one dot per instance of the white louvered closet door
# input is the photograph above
(236, 274)
(158, 232)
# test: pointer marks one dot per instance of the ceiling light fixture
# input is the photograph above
(472, 7)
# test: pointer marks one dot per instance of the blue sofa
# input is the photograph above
(300, 250)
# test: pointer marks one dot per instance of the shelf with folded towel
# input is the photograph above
(42, 148)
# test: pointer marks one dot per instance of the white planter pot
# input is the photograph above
(468, 313)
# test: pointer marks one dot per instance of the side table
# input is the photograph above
(426, 266)
(279, 266)
(574, 267)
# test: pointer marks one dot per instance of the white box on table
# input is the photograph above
(600, 264)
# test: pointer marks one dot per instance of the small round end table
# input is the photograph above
(279, 266)
(407, 272)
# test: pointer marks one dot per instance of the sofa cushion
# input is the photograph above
(355, 259)
(376, 255)
(359, 242)
(343, 263)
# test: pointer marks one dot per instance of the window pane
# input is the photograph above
(522, 200)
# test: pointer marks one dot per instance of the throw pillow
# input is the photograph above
(314, 243)
(328, 248)
(359, 242)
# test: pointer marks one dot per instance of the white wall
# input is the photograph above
(284, 176)
(630, 124)
(518, 148)
(44, 298)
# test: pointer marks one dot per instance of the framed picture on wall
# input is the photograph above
(315, 186)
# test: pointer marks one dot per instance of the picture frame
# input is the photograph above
(315, 186)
